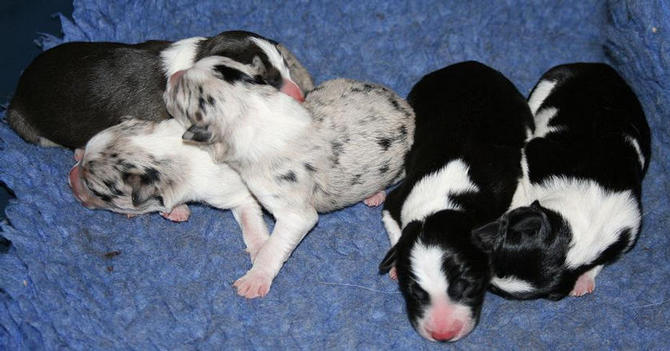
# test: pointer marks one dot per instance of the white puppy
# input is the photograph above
(139, 166)
(350, 147)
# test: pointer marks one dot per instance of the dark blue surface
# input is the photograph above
(170, 286)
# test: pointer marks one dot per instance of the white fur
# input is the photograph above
(541, 92)
(274, 56)
(542, 119)
(633, 142)
(431, 194)
(180, 55)
(392, 228)
(512, 284)
(426, 264)
(596, 216)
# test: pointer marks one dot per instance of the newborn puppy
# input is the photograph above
(75, 90)
(139, 166)
(579, 206)
(471, 123)
(347, 142)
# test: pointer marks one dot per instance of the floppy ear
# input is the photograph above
(530, 224)
(198, 134)
(389, 260)
(141, 193)
(489, 236)
(257, 64)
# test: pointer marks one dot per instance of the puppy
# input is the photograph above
(75, 90)
(346, 143)
(139, 166)
(579, 205)
(471, 123)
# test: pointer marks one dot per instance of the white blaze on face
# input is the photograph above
(443, 319)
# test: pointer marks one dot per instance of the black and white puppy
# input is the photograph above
(579, 206)
(347, 142)
(138, 167)
(471, 123)
(75, 90)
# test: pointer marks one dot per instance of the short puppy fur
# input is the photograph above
(75, 90)
(346, 143)
(579, 205)
(140, 166)
(471, 123)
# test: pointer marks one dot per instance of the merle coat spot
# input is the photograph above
(383, 169)
(385, 143)
(288, 177)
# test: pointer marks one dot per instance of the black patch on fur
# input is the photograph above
(309, 167)
(356, 180)
(385, 143)
(290, 176)
(210, 100)
(232, 75)
(201, 104)
(383, 169)
(150, 176)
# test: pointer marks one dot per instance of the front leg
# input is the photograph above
(254, 231)
(586, 282)
(290, 228)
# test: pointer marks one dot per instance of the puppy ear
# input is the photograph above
(389, 260)
(198, 134)
(489, 236)
(258, 64)
(141, 193)
(530, 224)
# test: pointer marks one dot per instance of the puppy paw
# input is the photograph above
(178, 214)
(585, 285)
(393, 273)
(376, 199)
(253, 284)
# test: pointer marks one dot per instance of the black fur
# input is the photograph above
(596, 110)
(75, 90)
(471, 112)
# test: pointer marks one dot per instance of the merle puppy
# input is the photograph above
(75, 90)
(346, 143)
(579, 205)
(139, 166)
(471, 123)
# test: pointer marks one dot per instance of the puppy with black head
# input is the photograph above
(471, 123)
(345, 143)
(138, 167)
(579, 205)
(75, 90)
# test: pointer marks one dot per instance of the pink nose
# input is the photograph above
(444, 335)
(175, 77)
(77, 186)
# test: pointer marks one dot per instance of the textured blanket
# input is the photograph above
(81, 279)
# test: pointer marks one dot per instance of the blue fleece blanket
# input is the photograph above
(81, 279)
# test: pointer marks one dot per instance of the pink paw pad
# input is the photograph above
(376, 199)
(393, 273)
(253, 284)
(585, 285)
(178, 214)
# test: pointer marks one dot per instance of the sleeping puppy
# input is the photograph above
(138, 167)
(75, 90)
(471, 123)
(346, 143)
(579, 206)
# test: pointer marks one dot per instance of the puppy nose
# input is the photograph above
(444, 335)
(175, 77)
